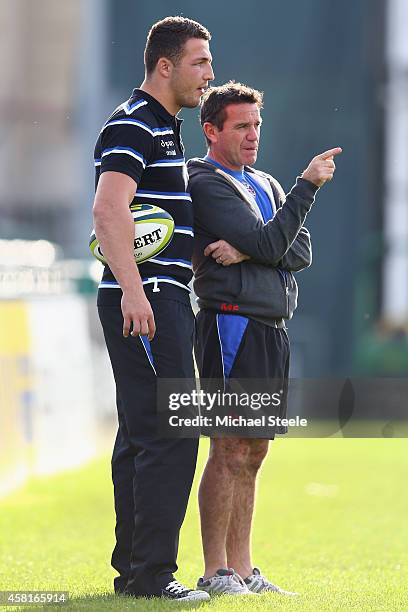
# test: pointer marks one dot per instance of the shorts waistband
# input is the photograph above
(275, 323)
(156, 288)
(152, 280)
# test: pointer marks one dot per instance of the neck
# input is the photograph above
(218, 157)
(161, 94)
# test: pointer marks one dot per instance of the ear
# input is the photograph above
(211, 132)
(164, 67)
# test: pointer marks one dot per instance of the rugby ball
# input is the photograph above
(154, 229)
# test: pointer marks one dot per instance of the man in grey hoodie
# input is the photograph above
(249, 239)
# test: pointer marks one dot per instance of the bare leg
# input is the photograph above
(215, 496)
(238, 542)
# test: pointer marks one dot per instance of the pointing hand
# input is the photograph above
(322, 167)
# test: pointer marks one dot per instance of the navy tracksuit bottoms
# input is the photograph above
(152, 476)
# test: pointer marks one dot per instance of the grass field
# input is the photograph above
(331, 523)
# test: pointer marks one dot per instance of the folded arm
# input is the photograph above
(222, 213)
(299, 256)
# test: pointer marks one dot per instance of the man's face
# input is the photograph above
(190, 76)
(237, 143)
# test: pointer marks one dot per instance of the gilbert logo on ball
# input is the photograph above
(154, 229)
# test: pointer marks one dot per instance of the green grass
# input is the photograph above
(331, 523)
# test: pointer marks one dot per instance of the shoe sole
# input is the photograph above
(189, 599)
(230, 593)
(283, 593)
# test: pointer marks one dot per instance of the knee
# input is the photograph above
(257, 453)
(230, 455)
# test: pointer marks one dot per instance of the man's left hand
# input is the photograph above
(224, 253)
(322, 167)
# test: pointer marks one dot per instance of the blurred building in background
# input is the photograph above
(333, 74)
(38, 104)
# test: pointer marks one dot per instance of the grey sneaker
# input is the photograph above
(224, 582)
(175, 591)
(257, 583)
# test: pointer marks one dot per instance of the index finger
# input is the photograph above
(126, 326)
(211, 247)
(217, 253)
(152, 327)
(330, 153)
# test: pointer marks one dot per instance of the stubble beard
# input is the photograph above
(185, 100)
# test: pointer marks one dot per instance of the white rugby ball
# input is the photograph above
(154, 229)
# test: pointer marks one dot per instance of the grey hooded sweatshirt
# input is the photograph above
(263, 287)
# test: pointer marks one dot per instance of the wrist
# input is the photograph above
(308, 187)
(135, 289)
(132, 284)
(305, 177)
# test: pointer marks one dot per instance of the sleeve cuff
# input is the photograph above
(136, 176)
(308, 188)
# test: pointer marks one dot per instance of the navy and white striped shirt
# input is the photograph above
(142, 139)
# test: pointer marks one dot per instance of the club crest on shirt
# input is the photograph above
(249, 188)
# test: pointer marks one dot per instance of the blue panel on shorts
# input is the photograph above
(146, 343)
(231, 329)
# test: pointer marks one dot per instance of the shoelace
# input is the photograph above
(236, 578)
(239, 579)
(176, 587)
(266, 583)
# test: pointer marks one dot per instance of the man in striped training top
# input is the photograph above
(145, 310)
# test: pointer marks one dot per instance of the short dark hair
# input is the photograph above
(216, 99)
(167, 38)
